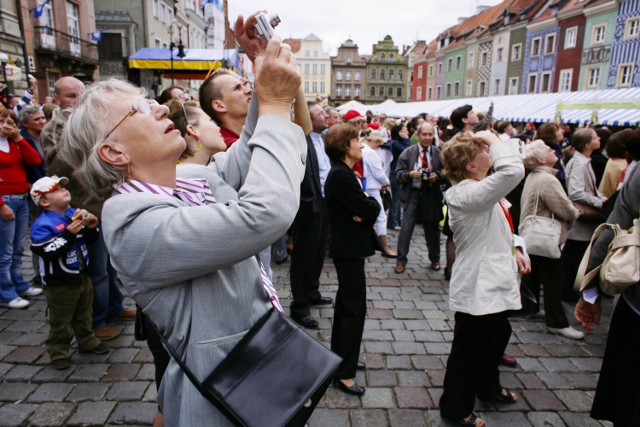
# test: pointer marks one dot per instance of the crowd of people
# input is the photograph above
(119, 188)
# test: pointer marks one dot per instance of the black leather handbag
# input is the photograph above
(275, 375)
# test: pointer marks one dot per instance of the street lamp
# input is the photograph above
(3, 61)
(172, 45)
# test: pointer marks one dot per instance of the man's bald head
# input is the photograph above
(67, 89)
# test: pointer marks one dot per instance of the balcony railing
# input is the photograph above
(50, 39)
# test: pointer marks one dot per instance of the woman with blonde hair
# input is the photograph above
(484, 282)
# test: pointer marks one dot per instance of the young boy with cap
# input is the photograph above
(60, 236)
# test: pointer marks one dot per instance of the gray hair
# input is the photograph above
(535, 151)
(87, 128)
(26, 111)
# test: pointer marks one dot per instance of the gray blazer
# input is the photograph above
(193, 270)
(407, 161)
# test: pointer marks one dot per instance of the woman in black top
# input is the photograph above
(351, 217)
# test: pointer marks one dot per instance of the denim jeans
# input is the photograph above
(12, 236)
(107, 298)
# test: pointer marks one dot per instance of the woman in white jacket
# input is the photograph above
(484, 282)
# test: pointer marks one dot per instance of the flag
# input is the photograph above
(39, 10)
(96, 36)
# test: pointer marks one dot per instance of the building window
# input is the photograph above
(400, 75)
(169, 16)
(440, 68)
(420, 72)
(73, 25)
(564, 82)
(373, 74)
(484, 59)
(449, 65)
(448, 92)
(472, 60)
(338, 75)
(625, 72)
(383, 57)
(391, 74)
(399, 92)
(315, 69)
(496, 87)
(419, 94)
(571, 37)
(389, 92)
(347, 91)
(306, 68)
(430, 70)
(483, 87)
(469, 89)
(306, 88)
(315, 53)
(535, 46)
(306, 53)
(372, 91)
(357, 76)
(513, 86)
(549, 44)
(322, 69)
(381, 92)
(356, 92)
(155, 8)
(456, 89)
(111, 46)
(599, 33)
(632, 28)
(339, 91)
(391, 57)
(382, 74)
(429, 93)
(157, 43)
(348, 76)
(499, 54)
(545, 85)
(321, 87)
(51, 83)
(516, 52)
(438, 92)
(458, 62)
(593, 77)
(314, 87)
(532, 83)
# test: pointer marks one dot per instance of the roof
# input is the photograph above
(294, 43)
(119, 16)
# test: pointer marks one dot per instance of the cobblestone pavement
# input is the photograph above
(406, 342)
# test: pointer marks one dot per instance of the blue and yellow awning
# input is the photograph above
(198, 60)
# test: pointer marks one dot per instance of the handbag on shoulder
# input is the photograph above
(541, 234)
(275, 376)
(621, 267)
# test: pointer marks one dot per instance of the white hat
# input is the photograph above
(46, 185)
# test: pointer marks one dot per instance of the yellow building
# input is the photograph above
(315, 66)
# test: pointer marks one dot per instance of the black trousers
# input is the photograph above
(572, 254)
(349, 314)
(549, 273)
(307, 259)
(472, 368)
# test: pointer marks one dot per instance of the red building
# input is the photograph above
(572, 26)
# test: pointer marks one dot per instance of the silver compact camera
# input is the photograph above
(265, 24)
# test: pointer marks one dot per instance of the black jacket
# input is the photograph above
(310, 188)
(345, 198)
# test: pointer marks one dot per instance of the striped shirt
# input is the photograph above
(193, 192)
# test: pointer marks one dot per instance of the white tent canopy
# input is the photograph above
(618, 107)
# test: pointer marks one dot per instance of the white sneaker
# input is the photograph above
(568, 332)
(16, 303)
(31, 292)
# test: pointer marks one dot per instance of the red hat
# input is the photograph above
(374, 126)
(352, 116)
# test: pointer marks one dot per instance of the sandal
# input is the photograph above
(505, 396)
(471, 421)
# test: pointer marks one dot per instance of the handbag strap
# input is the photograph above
(582, 277)
(535, 205)
(205, 393)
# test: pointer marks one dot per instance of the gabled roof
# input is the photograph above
(119, 16)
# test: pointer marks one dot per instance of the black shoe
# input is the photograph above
(447, 273)
(321, 301)
(388, 255)
(306, 321)
(283, 260)
(61, 364)
(355, 389)
(361, 366)
(99, 349)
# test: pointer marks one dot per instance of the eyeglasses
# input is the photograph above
(185, 96)
(142, 106)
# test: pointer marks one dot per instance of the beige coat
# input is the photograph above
(553, 199)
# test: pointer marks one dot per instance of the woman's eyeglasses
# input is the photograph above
(142, 106)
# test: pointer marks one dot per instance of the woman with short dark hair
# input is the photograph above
(351, 217)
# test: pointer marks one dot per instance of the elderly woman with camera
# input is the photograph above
(484, 283)
(184, 248)
(543, 191)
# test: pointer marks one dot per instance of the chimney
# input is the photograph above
(481, 8)
(461, 19)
